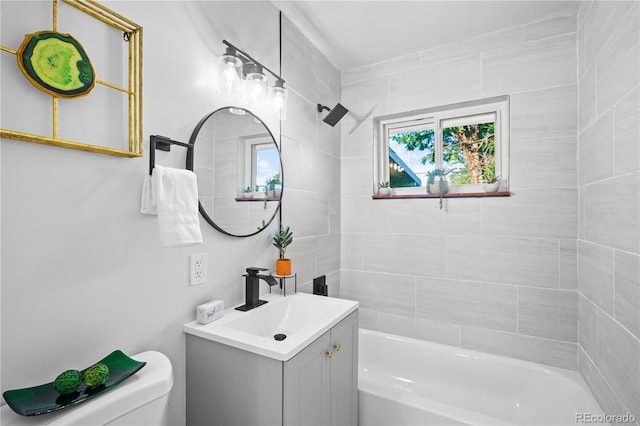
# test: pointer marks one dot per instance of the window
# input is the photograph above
(469, 142)
(258, 165)
(265, 165)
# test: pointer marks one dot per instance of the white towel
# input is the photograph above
(176, 196)
(148, 201)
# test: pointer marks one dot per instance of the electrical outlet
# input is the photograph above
(197, 268)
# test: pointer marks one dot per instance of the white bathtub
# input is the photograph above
(404, 381)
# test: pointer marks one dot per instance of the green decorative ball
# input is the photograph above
(95, 375)
(67, 382)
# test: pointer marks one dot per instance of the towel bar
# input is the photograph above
(162, 143)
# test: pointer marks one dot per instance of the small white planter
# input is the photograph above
(384, 191)
(491, 187)
(434, 188)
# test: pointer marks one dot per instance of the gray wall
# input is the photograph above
(609, 179)
(83, 272)
(492, 274)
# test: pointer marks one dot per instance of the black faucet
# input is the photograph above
(252, 288)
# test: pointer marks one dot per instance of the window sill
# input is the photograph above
(257, 199)
(447, 195)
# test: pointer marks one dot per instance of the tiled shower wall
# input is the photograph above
(491, 274)
(609, 181)
(311, 158)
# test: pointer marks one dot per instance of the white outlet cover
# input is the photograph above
(197, 268)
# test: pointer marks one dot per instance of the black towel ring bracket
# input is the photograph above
(162, 143)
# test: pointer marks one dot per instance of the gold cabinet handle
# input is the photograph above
(336, 348)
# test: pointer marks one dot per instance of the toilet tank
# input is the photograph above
(140, 400)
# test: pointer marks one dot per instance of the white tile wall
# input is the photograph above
(545, 62)
(311, 161)
(618, 63)
(568, 265)
(429, 86)
(550, 28)
(547, 351)
(543, 113)
(596, 150)
(550, 274)
(528, 214)
(517, 261)
(458, 271)
(588, 326)
(396, 254)
(548, 313)
(609, 171)
(612, 212)
(595, 274)
(474, 304)
(626, 125)
(618, 359)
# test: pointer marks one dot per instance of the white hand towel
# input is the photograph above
(147, 201)
(176, 196)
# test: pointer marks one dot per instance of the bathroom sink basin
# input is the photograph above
(294, 320)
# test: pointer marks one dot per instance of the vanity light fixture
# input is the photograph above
(243, 76)
(229, 78)
(255, 82)
(279, 99)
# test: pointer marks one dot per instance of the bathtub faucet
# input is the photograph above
(252, 288)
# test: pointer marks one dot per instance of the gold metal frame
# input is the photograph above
(133, 32)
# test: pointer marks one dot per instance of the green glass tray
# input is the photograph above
(44, 399)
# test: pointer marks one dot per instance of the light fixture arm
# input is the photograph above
(245, 57)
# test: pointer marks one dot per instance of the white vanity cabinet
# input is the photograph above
(318, 386)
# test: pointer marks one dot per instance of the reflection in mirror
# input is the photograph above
(239, 170)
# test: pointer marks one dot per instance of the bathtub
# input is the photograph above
(404, 381)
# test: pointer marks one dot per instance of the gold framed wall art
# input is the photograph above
(119, 93)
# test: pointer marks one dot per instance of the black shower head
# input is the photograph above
(334, 115)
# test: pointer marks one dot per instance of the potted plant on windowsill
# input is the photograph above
(384, 188)
(440, 187)
(281, 240)
(257, 193)
(274, 187)
(491, 184)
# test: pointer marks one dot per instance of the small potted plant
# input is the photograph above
(247, 192)
(274, 186)
(491, 184)
(281, 240)
(440, 187)
(384, 188)
(257, 193)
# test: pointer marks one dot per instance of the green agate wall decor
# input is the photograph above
(57, 64)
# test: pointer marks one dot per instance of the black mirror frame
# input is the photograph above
(192, 141)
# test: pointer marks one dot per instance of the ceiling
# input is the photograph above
(356, 33)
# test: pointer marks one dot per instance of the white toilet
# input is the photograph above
(140, 400)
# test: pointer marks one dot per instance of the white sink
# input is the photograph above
(301, 318)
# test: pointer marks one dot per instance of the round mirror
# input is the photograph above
(239, 170)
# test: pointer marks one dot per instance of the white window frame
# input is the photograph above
(247, 146)
(437, 118)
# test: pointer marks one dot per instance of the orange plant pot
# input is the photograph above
(283, 267)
